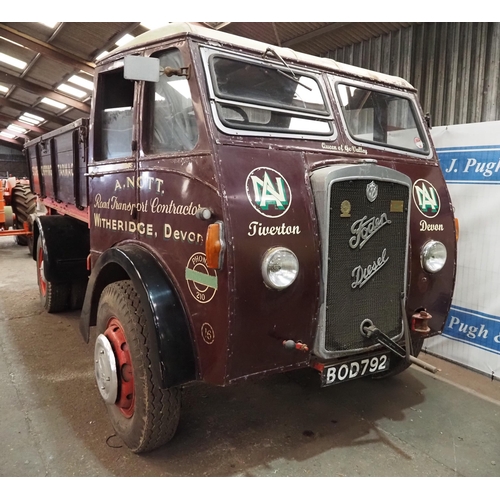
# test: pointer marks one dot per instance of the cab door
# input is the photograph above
(113, 160)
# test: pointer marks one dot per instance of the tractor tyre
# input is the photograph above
(23, 205)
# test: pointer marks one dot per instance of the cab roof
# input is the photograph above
(177, 29)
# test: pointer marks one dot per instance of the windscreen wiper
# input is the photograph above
(294, 77)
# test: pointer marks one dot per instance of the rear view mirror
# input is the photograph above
(141, 68)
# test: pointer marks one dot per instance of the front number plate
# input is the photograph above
(341, 372)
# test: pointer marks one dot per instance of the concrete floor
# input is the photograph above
(54, 423)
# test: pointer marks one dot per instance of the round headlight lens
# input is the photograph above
(279, 268)
(433, 256)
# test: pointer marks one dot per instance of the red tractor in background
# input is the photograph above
(17, 203)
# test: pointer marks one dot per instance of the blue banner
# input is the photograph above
(473, 328)
(470, 164)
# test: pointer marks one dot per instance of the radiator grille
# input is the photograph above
(365, 282)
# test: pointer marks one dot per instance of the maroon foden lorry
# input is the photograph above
(232, 209)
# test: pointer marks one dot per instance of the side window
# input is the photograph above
(172, 124)
(114, 116)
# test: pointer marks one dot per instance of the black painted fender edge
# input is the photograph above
(171, 346)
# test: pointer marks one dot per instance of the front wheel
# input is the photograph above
(143, 415)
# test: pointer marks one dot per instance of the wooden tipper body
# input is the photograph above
(280, 150)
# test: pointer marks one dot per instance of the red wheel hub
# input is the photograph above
(41, 276)
(126, 396)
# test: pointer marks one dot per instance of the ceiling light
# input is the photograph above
(28, 120)
(12, 61)
(68, 89)
(17, 129)
(55, 104)
(31, 119)
(82, 82)
(101, 55)
(34, 117)
(6, 134)
(10, 41)
(3, 89)
(50, 25)
(124, 39)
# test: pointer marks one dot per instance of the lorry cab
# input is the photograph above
(250, 210)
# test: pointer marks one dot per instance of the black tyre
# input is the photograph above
(54, 297)
(23, 205)
(78, 289)
(143, 415)
(399, 365)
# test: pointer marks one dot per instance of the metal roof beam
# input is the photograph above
(313, 34)
(47, 50)
(17, 134)
(9, 142)
(43, 91)
(29, 109)
(110, 45)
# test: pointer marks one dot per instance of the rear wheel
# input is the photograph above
(143, 415)
(399, 365)
(53, 296)
(23, 205)
(78, 289)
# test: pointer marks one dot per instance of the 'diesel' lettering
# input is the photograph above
(363, 274)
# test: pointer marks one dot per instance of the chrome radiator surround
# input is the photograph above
(390, 223)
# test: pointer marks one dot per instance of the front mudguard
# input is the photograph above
(171, 348)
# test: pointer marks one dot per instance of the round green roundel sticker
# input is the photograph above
(268, 192)
(426, 198)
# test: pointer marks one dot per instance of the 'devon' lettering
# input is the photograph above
(181, 235)
(425, 226)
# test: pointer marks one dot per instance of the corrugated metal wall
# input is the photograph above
(454, 66)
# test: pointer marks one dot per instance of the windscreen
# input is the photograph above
(262, 97)
(381, 118)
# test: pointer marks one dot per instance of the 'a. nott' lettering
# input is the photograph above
(148, 183)
(259, 229)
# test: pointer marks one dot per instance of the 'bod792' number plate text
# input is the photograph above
(334, 374)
